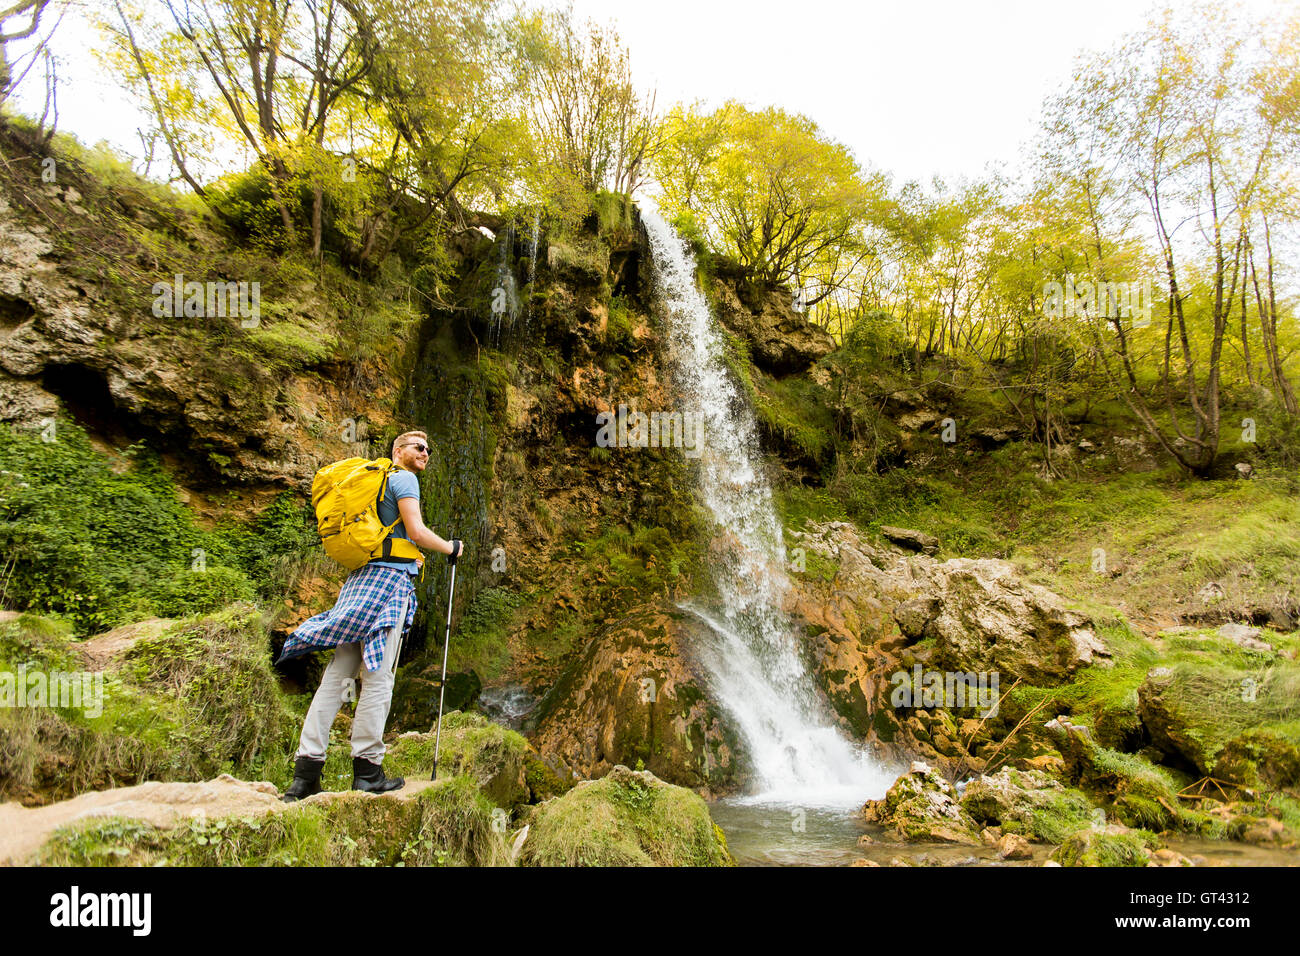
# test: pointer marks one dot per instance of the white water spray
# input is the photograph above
(757, 674)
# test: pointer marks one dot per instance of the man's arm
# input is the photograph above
(416, 530)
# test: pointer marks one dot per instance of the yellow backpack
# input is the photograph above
(346, 497)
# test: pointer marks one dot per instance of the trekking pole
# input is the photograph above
(442, 687)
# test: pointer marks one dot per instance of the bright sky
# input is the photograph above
(916, 88)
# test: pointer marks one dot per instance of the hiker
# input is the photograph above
(366, 624)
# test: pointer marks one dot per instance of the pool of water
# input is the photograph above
(786, 834)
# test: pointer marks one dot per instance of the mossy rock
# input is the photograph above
(450, 824)
(1260, 758)
(1140, 794)
(1029, 803)
(1113, 846)
(185, 703)
(1192, 710)
(491, 755)
(625, 819)
(922, 806)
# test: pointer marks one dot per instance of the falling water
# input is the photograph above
(533, 237)
(505, 296)
(757, 674)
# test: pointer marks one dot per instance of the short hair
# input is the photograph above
(402, 440)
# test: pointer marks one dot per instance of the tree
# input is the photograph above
(769, 189)
(1171, 137)
(583, 108)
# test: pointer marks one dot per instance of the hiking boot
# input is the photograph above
(306, 779)
(370, 777)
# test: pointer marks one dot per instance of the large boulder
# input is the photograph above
(634, 697)
(873, 615)
(624, 819)
(1225, 721)
(1027, 802)
(781, 340)
(923, 806)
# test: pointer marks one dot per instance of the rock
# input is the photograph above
(102, 649)
(1194, 709)
(1028, 803)
(1050, 863)
(922, 806)
(1258, 758)
(1112, 846)
(781, 340)
(1168, 857)
(995, 435)
(991, 620)
(632, 695)
(1210, 593)
(983, 616)
(864, 862)
(913, 616)
(911, 540)
(625, 819)
(492, 755)
(1244, 469)
(1243, 636)
(1014, 847)
(919, 420)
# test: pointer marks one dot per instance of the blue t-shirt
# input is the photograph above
(401, 484)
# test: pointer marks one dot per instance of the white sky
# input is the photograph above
(915, 88)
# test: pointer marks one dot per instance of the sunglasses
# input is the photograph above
(417, 446)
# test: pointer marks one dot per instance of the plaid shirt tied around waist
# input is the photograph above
(367, 609)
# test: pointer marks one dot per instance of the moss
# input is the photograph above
(491, 755)
(198, 699)
(1106, 848)
(450, 824)
(625, 819)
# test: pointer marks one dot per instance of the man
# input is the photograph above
(366, 624)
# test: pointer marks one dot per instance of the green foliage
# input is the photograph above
(194, 592)
(192, 700)
(481, 639)
(768, 188)
(122, 545)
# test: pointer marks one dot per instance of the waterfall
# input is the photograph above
(755, 669)
(505, 296)
(533, 238)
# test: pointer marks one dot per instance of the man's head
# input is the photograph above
(411, 451)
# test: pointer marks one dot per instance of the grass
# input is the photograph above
(447, 825)
(197, 700)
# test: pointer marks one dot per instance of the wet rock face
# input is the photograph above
(868, 606)
(193, 388)
(781, 340)
(634, 696)
(923, 806)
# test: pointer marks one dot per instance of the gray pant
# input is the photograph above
(337, 685)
